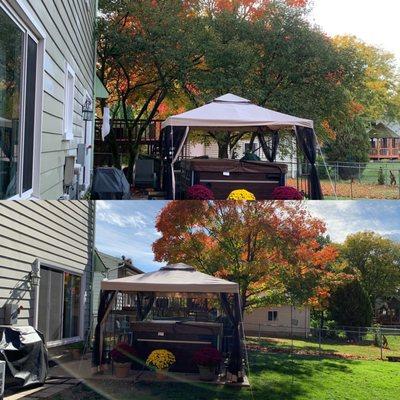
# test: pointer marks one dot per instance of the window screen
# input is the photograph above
(11, 59)
(29, 114)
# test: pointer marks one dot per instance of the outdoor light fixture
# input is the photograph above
(87, 110)
(34, 276)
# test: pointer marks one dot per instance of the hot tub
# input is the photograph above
(182, 338)
(223, 176)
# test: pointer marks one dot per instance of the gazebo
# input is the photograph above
(234, 113)
(174, 280)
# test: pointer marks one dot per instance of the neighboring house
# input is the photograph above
(277, 321)
(387, 312)
(46, 251)
(211, 150)
(385, 142)
(106, 266)
(47, 90)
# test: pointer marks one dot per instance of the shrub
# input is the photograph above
(207, 357)
(199, 192)
(286, 193)
(160, 359)
(381, 177)
(241, 194)
(122, 353)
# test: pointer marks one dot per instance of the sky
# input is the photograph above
(128, 227)
(375, 22)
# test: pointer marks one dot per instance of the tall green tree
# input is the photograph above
(350, 306)
(375, 261)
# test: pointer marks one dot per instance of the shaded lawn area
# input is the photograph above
(366, 351)
(273, 377)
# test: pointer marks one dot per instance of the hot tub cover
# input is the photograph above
(216, 164)
(172, 278)
(25, 354)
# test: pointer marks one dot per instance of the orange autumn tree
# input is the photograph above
(271, 249)
(251, 9)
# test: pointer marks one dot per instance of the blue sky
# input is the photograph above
(375, 22)
(127, 227)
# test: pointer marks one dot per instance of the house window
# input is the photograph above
(250, 148)
(18, 76)
(59, 306)
(69, 103)
(272, 315)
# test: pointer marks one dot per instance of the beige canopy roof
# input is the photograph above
(173, 278)
(230, 111)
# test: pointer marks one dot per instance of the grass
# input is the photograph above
(273, 377)
(365, 351)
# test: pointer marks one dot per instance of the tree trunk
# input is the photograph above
(223, 149)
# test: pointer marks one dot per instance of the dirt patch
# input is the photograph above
(356, 190)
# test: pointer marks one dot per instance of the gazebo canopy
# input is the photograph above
(173, 278)
(230, 111)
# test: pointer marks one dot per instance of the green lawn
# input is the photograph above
(365, 351)
(273, 377)
(371, 172)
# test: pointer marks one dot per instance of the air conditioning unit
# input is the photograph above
(2, 378)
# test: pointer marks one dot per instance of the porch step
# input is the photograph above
(154, 195)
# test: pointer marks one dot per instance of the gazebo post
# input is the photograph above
(107, 299)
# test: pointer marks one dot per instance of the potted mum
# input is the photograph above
(199, 192)
(122, 355)
(76, 349)
(286, 193)
(207, 360)
(241, 195)
(161, 360)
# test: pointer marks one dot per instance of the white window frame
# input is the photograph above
(31, 27)
(69, 102)
(62, 268)
(272, 313)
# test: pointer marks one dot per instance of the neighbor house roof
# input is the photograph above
(104, 262)
(381, 130)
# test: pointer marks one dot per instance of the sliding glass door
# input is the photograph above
(18, 72)
(59, 308)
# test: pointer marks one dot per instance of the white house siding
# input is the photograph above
(58, 234)
(69, 38)
(290, 320)
(211, 150)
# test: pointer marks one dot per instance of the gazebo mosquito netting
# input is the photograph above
(172, 280)
(234, 113)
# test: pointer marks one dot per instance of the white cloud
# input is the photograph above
(374, 23)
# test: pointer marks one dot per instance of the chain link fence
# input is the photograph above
(375, 343)
(374, 180)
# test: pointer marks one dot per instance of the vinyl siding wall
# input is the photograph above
(256, 322)
(69, 28)
(58, 233)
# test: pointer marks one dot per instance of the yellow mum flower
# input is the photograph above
(241, 194)
(160, 359)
